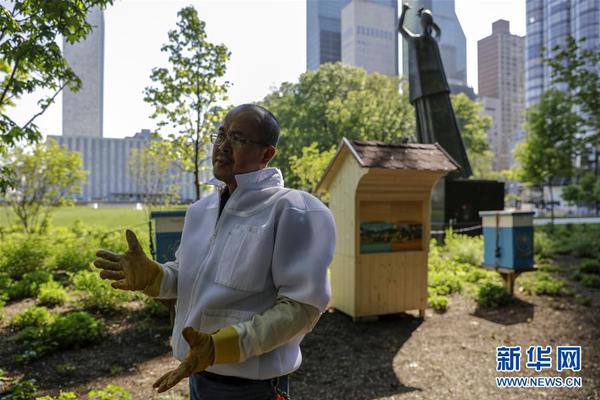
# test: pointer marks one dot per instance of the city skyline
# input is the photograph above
(132, 49)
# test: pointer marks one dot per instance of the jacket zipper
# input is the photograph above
(211, 246)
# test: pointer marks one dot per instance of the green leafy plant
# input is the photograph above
(583, 300)
(62, 396)
(463, 248)
(67, 331)
(29, 285)
(110, 392)
(542, 283)
(33, 316)
(589, 280)
(590, 266)
(20, 254)
(97, 293)
(22, 390)
(52, 293)
(491, 295)
(438, 303)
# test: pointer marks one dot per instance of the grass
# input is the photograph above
(102, 217)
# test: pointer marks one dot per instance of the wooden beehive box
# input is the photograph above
(380, 197)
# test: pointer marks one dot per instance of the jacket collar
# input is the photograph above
(259, 179)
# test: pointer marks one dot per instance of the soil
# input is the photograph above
(400, 356)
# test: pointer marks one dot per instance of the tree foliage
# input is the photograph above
(31, 59)
(473, 128)
(585, 192)
(186, 93)
(577, 66)
(550, 146)
(337, 101)
(152, 168)
(310, 166)
(48, 177)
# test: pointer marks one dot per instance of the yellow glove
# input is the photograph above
(132, 270)
(221, 347)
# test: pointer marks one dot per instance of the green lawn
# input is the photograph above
(106, 217)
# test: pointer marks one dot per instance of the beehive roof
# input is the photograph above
(408, 156)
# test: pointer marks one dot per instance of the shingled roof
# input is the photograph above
(414, 156)
(409, 156)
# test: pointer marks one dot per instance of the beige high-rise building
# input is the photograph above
(501, 80)
(369, 36)
(82, 111)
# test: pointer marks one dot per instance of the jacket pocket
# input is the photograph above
(245, 262)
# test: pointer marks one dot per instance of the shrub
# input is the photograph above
(52, 293)
(29, 285)
(67, 331)
(589, 280)
(583, 300)
(155, 308)
(20, 253)
(543, 245)
(61, 396)
(542, 283)
(463, 248)
(438, 303)
(97, 293)
(476, 274)
(492, 295)
(34, 316)
(110, 392)
(590, 266)
(23, 390)
(444, 283)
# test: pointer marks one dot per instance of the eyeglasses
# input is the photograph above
(219, 138)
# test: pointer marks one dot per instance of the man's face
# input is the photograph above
(236, 157)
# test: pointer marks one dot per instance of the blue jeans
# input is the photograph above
(208, 386)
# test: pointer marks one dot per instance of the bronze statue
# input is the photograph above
(429, 91)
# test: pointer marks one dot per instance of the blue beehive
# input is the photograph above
(508, 239)
(168, 226)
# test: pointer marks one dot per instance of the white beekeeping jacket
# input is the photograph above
(269, 241)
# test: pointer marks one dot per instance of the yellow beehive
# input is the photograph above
(380, 197)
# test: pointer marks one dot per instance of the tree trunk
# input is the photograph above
(551, 205)
(597, 203)
(196, 167)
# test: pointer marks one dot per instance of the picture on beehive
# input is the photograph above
(390, 226)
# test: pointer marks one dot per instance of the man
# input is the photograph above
(250, 274)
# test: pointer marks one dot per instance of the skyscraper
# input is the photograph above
(549, 22)
(500, 65)
(324, 27)
(453, 44)
(323, 32)
(370, 36)
(83, 111)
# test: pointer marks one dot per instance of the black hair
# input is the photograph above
(267, 123)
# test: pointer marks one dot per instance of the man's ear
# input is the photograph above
(268, 154)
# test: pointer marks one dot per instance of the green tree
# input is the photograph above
(187, 92)
(48, 177)
(31, 60)
(576, 65)
(473, 128)
(334, 101)
(151, 167)
(310, 166)
(548, 151)
(585, 192)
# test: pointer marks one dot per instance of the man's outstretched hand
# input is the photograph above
(132, 270)
(200, 357)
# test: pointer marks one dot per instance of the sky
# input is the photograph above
(267, 41)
